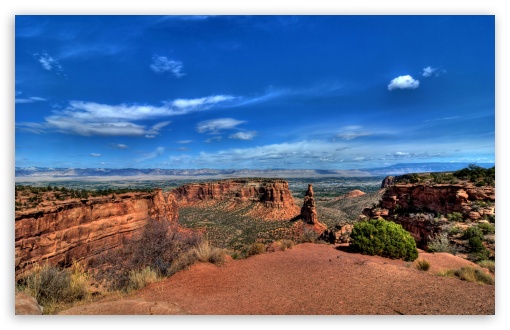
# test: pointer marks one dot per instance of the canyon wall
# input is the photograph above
(271, 198)
(86, 229)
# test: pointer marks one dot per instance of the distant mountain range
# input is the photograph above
(397, 169)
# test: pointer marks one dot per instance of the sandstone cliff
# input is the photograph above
(85, 229)
(421, 208)
(271, 198)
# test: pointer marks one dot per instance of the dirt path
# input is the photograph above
(308, 279)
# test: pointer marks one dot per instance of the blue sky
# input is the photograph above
(296, 92)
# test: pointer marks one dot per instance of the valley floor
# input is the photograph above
(309, 279)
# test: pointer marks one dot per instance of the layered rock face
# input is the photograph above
(271, 192)
(86, 229)
(271, 198)
(414, 205)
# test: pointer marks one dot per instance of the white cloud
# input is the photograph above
(352, 132)
(215, 125)
(429, 71)
(48, 63)
(150, 136)
(243, 135)
(119, 146)
(95, 155)
(184, 141)
(158, 152)
(90, 118)
(162, 64)
(29, 100)
(214, 138)
(186, 105)
(403, 82)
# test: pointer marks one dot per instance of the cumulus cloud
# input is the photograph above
(243, 135)
(95, 155)
(403, 82)
(162, 64)
(215, 125)
(429, 71)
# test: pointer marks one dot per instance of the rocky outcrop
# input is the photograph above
(354, 193)
(271, 198)
(26, 305)
(422, 208)
(86, 229)
(309, 210)
(270, 192)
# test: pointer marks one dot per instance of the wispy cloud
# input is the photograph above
(213, 139)
(29, 100)
(119, 146)
(184, 141)
(243, 135)
(49, 63)
(158, 152)
(162, 64)
(95, 155)
(430, 71)
(352, 132)
(403, 82)
(214, 126)
(90, 118)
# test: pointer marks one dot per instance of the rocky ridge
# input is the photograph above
(422, 208)
(86, 229)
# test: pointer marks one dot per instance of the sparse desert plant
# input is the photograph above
(308, 236)
(441, 243)
(383, 238)
(422, 264)
(286, 244)
(255, 248)
(53, 287)
(141, 278)
(204, 252)
(469, 274)
(472, 232)
(489, 264)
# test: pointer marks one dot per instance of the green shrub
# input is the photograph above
(486, 228)
(455, 216)
(472, 232)
(422, 264)
(383, 238)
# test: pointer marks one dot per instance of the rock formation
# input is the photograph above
(26, 305)
(85, 229)
(272, 198)
(309, 211)
(415, 206)
(354, 193)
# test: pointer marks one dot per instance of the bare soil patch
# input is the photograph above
(309, 279)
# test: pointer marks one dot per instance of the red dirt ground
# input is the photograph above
(309, 279)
